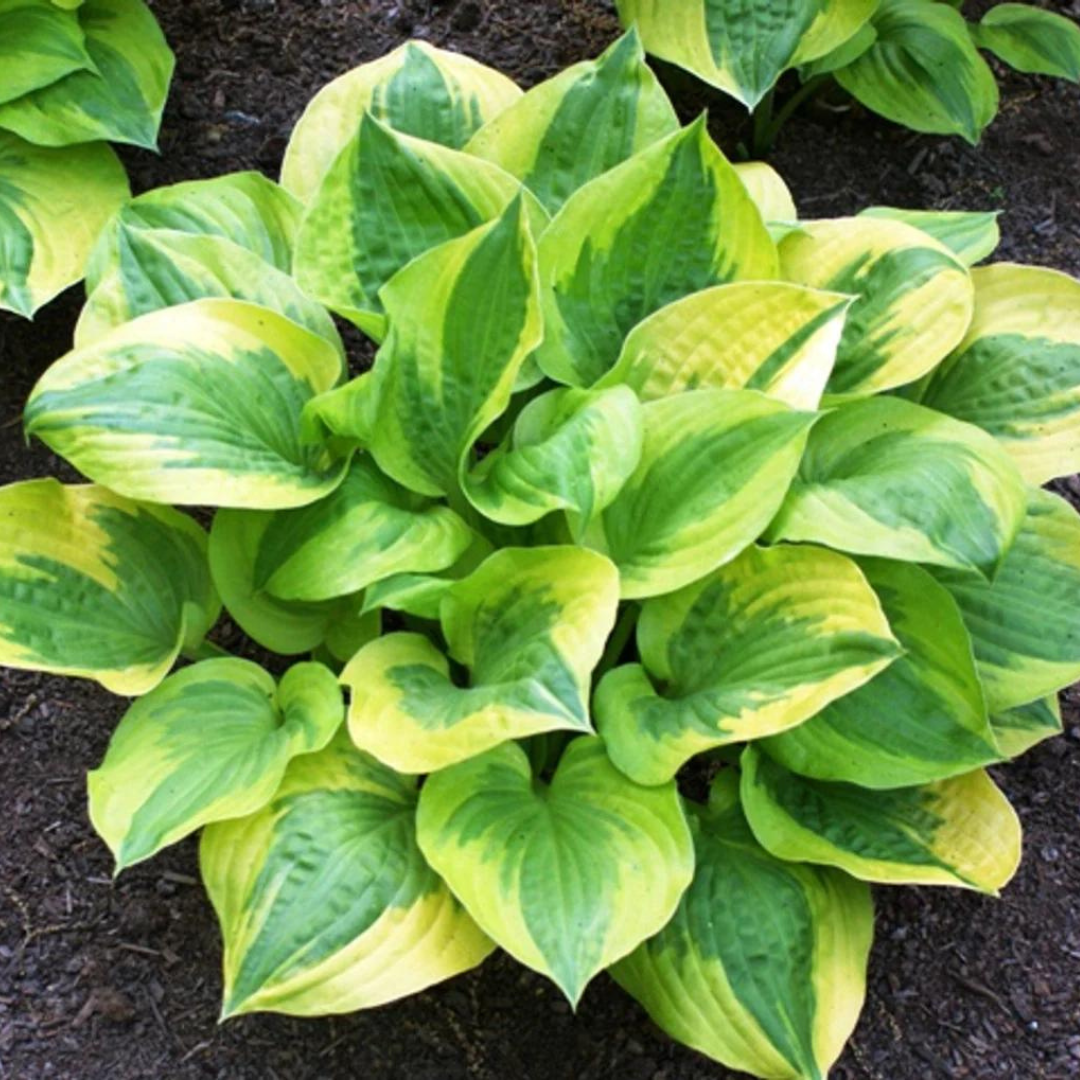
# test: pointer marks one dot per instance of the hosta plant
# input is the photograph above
(651, 489)
(74, 75)
(915, 62)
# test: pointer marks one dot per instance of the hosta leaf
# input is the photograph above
(386, 199)
(960, 831)
(614, 105)
(970, 235)
(366, 529)
(94, 585)
(923, 71)
(913, 297)
(673, 219)
(197, 404)
(161, 268)
(769, 336)
(529, 625)
(121, 100)
(1025, 624)
(288, 627)
(1031, 39)
(755, 648)
(743, 49)
(567, 877)
(440, 380)
(326, 904)
(766, 187)
(39, 44)
(763, 967)
(158, 782)
(885, 477)
(243, 207)
(713, 472)
(570, 450)
(417, 89)
(1017, 730)
(46, 234)
(923, 718)
(1017, 373)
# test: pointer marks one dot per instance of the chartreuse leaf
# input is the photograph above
(767, 188)
(244, 207)
(567, 877)
(613, 106)
(1017, 730)
(914, 298)
(885, 477)
(529, 625)
(769, 336)
(970, 235)
(743, 49)
(121, 100)
(194, 404)
(1031, 39)
(94, 585)
(1025, 623)
(366, 529)
(1017, 372)
(288, 627)
(386, 199)
(46, 231)
(439, 380)
(714, 468)
(161, 268)
(923, 71)
(39, 44)
(673, 219)
(763, 967)
(570, 450)
(960, 831)
(325, 903)
(158, 784)
(417, 89)
(922, 718)
(755, 648)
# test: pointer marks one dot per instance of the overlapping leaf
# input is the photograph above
(39, 43)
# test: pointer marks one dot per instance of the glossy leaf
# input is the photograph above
(763, 967)
(757, 647)
(46, 231)
(714, 468)
(39, 43)
(923, 71)
(886, 477)
(959, 832)
(970, 235)
(97, 586)
(913, 297)
(120, 100)
(194, 404)
(1025, 623)
(614, 105)
(529, 625)
(776, 338)
(385, 200)
(568, 876)
(417, 90)
(158, 783)
(921, 719)
(325, 903)
(673, 219)
(1031, 39)
(1017, 372)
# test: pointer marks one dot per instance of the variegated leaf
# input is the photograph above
(1018, 729)
(970, 235)
(39, 43)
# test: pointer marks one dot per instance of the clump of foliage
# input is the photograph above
(649, 480)
(74, 75)
(915, 62)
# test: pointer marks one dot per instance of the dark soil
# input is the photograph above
(118, 981)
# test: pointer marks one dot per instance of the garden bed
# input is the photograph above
(121, 980)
